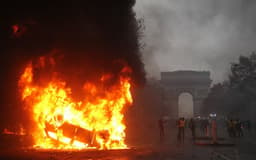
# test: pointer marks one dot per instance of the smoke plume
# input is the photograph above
(196, 34)
(89, 37)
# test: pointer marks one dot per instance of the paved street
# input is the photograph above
(244, 149)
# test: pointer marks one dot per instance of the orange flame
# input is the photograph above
(60, 121)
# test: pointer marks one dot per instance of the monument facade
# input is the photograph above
(196, 83)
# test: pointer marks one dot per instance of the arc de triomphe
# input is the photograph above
(197, 83)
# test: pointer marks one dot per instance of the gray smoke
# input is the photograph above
(196, 34)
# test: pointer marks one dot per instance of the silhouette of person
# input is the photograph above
(161, 129)
(192, 126)
(181, 130)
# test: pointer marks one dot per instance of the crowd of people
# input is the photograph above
(235, 127)
(206, 127)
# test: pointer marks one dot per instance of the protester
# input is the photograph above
(233, 128)
(181, 130)
(192, 126)
(161, 129)
(201, 122)
(229, 127)
(214, 131)
(239, 131)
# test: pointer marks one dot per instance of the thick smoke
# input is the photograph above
(196, 34)
(90, 37)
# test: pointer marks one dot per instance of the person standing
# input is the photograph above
(239, 128)
(181, 130)
(201, 122)
(214, 131)
(235, 127)
(192, 126)
(229, 127)
(161, 129)
(207, 127)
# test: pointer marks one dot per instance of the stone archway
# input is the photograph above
(197, 83)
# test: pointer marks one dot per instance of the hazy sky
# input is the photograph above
(196, 34)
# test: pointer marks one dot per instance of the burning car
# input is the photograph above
(58, 121)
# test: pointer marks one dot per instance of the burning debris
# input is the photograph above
(58, 119)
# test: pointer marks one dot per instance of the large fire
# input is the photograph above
(60, 122)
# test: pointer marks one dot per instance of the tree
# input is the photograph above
(243, 76)
(237, 95)
(214, 101)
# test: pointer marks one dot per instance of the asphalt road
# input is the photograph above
(243, 149)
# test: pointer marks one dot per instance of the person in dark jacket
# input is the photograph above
(192, 126)
(161, 128)
(239, 130)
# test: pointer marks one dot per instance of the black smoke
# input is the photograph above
(89, 35)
